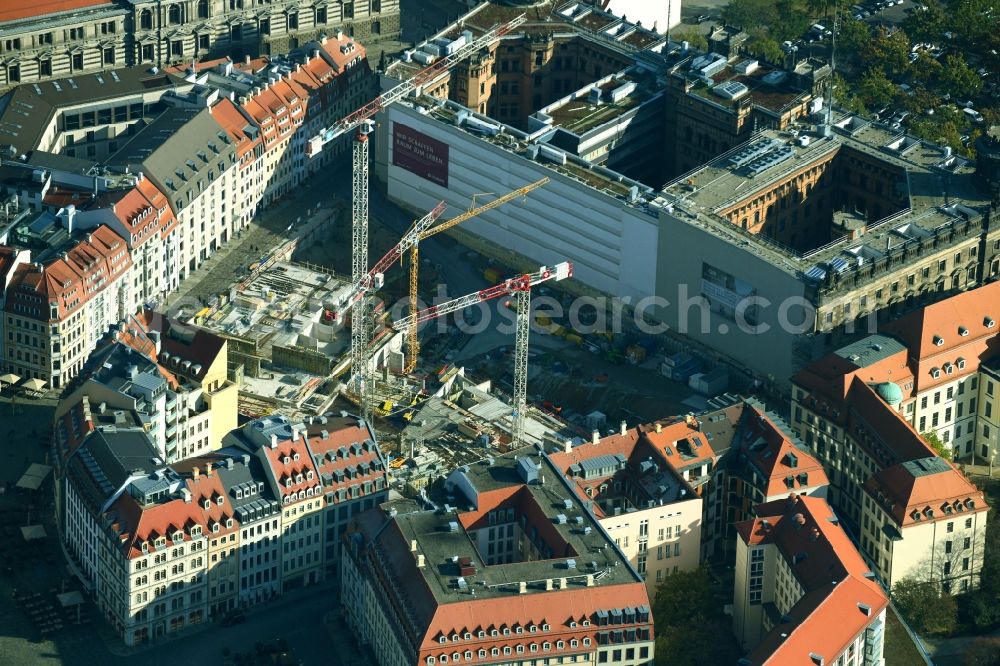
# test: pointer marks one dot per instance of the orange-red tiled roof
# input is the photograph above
(933, 336)
(925, 490)
(12, 10)
(774, 460)
(833, 574)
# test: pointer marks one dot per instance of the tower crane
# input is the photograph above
(361, 120)
(413, 342)
(521, 287)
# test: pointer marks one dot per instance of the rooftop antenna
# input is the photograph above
(828, 100)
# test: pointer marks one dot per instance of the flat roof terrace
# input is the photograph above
(442, 537)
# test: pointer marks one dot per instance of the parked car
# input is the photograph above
(233, 618)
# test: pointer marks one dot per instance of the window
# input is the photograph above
(203, 9)
(13, 74)
(293, 21)
(174, 14)
(146, 20)
(76, 62)
(109, 56)
(45, 67)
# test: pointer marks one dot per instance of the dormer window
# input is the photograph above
(215, 528)
(938, 341)
(935, 373)
(207, 504)
(309, 475)
(219, 500)
(295, 456)
(298, 478)
(229, 522)
(988, 322)
(178, 536)
(961, 363)
(288, 482)
(949, 368)
(286, 460)
(963, 331)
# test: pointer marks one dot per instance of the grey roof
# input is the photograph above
(31, 106)
(111, 455)
(926, 466)
(179, 148)
(246, 477)
(871, 350)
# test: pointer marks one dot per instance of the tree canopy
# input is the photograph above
(925, 607)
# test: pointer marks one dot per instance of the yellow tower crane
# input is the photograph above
(413, 342)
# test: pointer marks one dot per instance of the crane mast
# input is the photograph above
(413, 342)
(521, 288)
(361, 120)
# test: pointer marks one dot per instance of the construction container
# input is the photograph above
(680, 366)
(710, 383)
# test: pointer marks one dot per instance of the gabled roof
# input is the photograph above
(840, 596)
(784, 466)
(342, 443)
(925, 490)
(889, 437)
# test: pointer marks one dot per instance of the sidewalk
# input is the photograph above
(116, 647)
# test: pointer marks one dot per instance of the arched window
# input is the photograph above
(174, 14)
(146, 19)
(203, 9)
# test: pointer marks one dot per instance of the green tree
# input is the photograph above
(844, 97)
(696, 39)
(854, 39)
(875, 89)
(925, 607)
(931, 437)
(766, 49)
(684, 597)
(749, 14)
(927, 25)
(980, 607)
(890, 50)
(958, 78)
(926, 69)
(686, 614)
(791, 21)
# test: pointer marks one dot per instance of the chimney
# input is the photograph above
(595, 436)
(563, 584)
(413, 545)
(623, 428)
(568, 446)
(139, 177)
(522, 587)
(208, 469)
(659, 427)
(420, 561)
(186, 494)
(229, 463)
(590, 580)
(548, 584)
(274, 441)
(195, 473)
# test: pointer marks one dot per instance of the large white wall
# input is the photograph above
(613, 246)
(664, 13)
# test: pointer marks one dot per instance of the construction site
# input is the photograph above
(314, 326)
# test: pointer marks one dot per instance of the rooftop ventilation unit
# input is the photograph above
(769, 160)
(753, 151)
